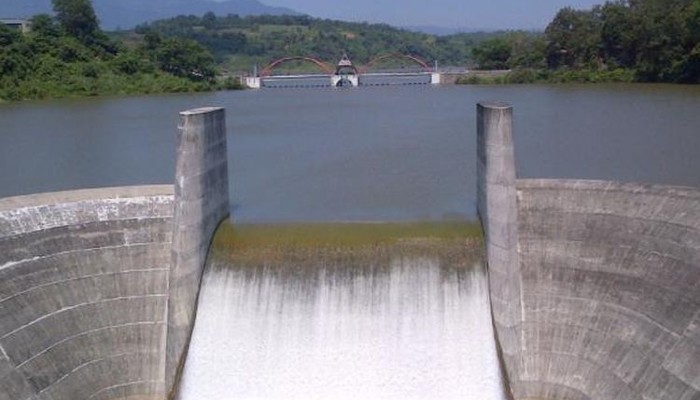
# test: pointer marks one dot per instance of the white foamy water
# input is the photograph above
(411, 331)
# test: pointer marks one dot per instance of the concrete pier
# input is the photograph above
(497, 209)
(201, 202)
(253, 82)
(353, 80)
(595, 286)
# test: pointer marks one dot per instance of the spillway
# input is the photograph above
(593, 287)
(406, 319)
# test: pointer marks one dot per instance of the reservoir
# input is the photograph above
(376, 153)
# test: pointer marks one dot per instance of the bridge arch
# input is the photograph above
(399, 56)
(267, 70)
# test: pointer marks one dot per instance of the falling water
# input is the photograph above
(387, 321)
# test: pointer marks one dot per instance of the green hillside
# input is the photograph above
(69, 55)
(240, 42)
(644, 40)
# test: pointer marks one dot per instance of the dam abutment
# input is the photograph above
(497, 208)
(594, 285)
(201, 202)
(98, 287)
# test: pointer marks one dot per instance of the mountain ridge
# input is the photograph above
(126, 14)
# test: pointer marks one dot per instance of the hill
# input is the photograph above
(240, 42)
(71, 56)
(126, 14)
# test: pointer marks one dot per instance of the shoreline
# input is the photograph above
(540, 76)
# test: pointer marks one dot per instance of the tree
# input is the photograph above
(573, 39)
(527, 50)
(619, 35)
(688, 68)
(8, 36)
(209, 20)
(45, 26)
(185, 58)
(78, 19)
(493, 53)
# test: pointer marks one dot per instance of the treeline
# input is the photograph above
(642, 40)
(635, 40)
(68, 55)
(240, 42)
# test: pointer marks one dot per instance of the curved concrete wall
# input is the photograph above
(610, 289)
(83, 293)
(602, 300)
(98, 288)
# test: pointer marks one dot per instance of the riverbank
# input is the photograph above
(110, 84)
(524, 76)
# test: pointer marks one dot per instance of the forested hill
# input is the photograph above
(641, 40)
(240, 42)
(69, 55)
(658, 39)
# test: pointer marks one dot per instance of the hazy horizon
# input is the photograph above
(454, 14)
(437, 16)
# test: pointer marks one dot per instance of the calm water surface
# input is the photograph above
(391, 153)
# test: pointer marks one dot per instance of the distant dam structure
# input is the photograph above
(344, 75)
(589, 290)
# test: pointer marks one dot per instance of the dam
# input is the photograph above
(594, 286)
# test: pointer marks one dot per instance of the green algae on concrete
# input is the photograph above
(460, 243)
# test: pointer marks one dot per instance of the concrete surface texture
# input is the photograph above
(98, 288)
(496, 205)
(608, 281)
(201, 203)
(611, 290)
(83, 292)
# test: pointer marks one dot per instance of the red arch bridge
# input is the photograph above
(345, 74)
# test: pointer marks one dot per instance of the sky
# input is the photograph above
(463, 14)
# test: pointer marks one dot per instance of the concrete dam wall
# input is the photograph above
(595, 286)
(83, 293)
(98, 287)
(611, 290)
